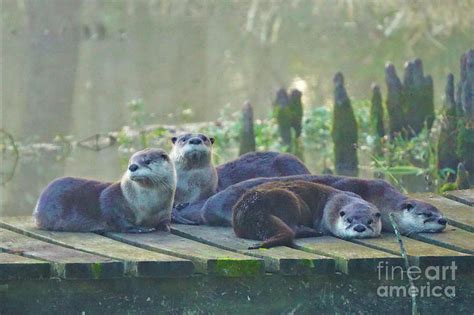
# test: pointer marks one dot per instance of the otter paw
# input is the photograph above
(165, 227)
(255, 246)
(140, 230)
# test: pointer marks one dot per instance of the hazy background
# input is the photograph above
(70, 66)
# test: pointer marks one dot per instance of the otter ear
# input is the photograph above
(408, 205)
(212, 140)
(174, 140)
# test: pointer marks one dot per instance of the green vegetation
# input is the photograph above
(399, 157)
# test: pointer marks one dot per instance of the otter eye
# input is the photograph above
(409, 207)
(342, 213)
(378, 214)
(164, 156)
(147, 161)
(427, 214)
(212, 140)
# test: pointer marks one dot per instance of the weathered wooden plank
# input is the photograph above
(19, 267)
(67, 263)
(452, 238)
(420, 253)
(350, 258)
(138, 262)
(465, 196)
(284, 260)
(206, 259)
(458, 214)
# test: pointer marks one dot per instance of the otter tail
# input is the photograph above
(266, 216)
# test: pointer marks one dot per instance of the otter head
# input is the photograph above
(151, 167)
(192, 150)
(415, 216)
(355, 218)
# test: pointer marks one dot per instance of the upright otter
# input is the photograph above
(197, 176)
(247, 166)
(140, 202)
(412, 216)
(277, 212)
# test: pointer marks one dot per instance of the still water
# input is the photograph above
(69, 67)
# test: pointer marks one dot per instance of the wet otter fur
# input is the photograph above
(259, 164)
(278, 212)
(412, 215)
(247, 166)
(197, 175)
(140, 202)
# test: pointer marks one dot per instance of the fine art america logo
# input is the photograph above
(413, 273)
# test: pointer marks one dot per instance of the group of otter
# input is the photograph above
(266, 196)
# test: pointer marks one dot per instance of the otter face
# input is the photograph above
(151, 167)
(415, 216)
(190, 146)
(358, 220)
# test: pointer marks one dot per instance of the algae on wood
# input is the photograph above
(350, 258)
(281, 259)
(67, 263)
(138, 262)
(206, 259)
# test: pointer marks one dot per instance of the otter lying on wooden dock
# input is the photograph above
(140, 202)
(278, 212)
(412, 215)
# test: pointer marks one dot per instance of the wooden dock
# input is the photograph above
(201, 269)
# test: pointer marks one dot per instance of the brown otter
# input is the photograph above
(197, 176)
(259, 164)
(247, 166)
(413, 216)
(277, 212)
(140, 202)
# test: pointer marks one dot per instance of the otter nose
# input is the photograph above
(195, 141)
(133, 167)
(359, 228)
(442, 221)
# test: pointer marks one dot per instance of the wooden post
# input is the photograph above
(296, 108)
(376, 112)
(344, 130)
(394, 100)
(462, 177)
(465, 139)
(418, 101)
(447, 157)
(247, 135)
(282, 114)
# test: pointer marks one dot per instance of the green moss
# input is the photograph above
(96, 269)
(448, 187)
(235, 268)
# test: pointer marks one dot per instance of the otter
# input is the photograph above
(278, 212)
(259, 164)
(412, 215)
(247, 166)
(140, 202)
(197, 176)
